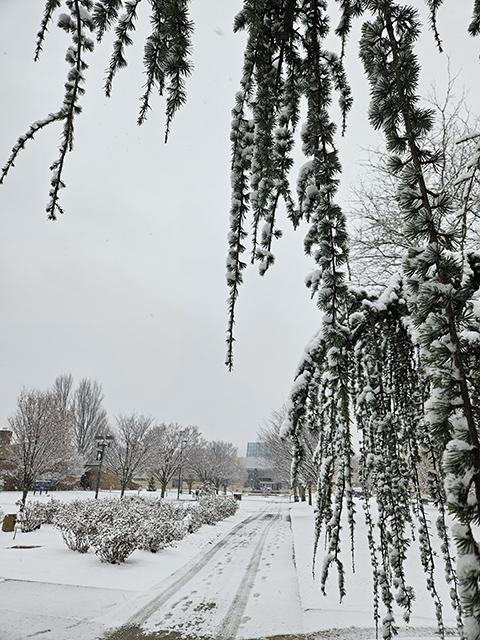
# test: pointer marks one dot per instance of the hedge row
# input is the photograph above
(115, 528)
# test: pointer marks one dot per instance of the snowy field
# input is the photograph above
(246, 577)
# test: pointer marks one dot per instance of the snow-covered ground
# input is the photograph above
(247, 577)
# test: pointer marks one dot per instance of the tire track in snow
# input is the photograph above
(142, 615)
(231, 623)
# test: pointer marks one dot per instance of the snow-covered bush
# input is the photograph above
(193, 518)
(228, 506)
(162, 525)
(115, 541)
(38, 513)
(155, 534)
(115, 528)
(74, 519)
(33, 516)
(49, 510)
(216, 508)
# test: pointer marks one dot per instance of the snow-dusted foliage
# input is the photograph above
(115, 542)
(284, 61)
(215, 508)
(166, 51)
(166, 61)
(76, 21)
(403, 364)
(31, 518)
(115, 528)
(157, 532)
(37, 513)
(76, 521)
(162, 524)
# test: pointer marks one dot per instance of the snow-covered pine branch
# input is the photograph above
(105, 13)
(49, 10)
(78, 23)
(166, 59)
(438, 301)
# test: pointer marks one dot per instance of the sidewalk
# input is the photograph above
(325, 612)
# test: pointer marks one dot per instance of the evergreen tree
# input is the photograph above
(151, 484)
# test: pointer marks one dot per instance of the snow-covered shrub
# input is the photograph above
(193, 518)
(32, 517)
(162, 525)
(155, 533)
(171, 511)
(114, 542)
(74, 519)
(49, 510)
(38, 513)
(228, 506)
(115, 528)
(216, 508)
(85, 523)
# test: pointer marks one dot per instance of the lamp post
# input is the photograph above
(184, 444)
(102, 443)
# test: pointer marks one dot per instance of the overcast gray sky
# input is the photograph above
(128, 287)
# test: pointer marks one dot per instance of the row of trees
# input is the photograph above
(55, 434)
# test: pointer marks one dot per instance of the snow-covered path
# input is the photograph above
(248, 577)
(233, 589)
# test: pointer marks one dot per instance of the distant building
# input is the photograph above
(259, 470)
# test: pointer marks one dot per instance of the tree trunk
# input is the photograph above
(310, 493)
(301, 491)
(163, 489)
(122, 491)
(24, 495)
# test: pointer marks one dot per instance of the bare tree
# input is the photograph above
(279, 452)
(174, 446)
(41, 439)
(131, 449)
(378, 240)
(217, 463)
(62, 390)
(89, 416)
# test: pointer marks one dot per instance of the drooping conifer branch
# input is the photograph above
(438, 302)
(154, 57)
(105, 14)
(49, 10)
(349, 9)
(177, 61)
(29, 135)
(167, 50)
(276, 72)
(123, 39)
(434, 6)
(77, 23)
(474, 27)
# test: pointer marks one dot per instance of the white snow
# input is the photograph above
(232, 580)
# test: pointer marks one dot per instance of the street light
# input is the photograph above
(102, 443)
(184, 444)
